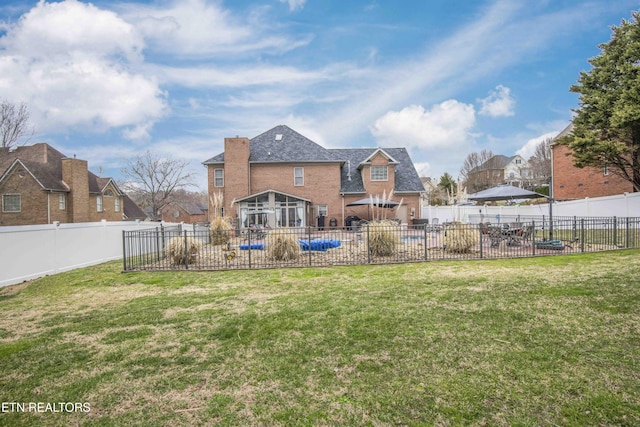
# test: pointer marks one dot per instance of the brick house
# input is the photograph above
(283, 179)
(189, 212)
(40, 185)
(570, 182)
(500, 170)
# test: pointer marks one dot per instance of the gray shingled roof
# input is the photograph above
(294, 147)
(289, 147)
(406, 177)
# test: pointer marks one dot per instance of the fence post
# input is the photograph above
(249, 244)
(309, 243)
(186, 252)
(124, 250)
(615, 231)
(533, 237)
(626, 234)
(426, 248)
(368, 245)
(582, 235)
(480, 231)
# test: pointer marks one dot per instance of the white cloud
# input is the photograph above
(446, 125)
(198, 28)
(294, 4)
(53, 29)
(72, 63)
(530, 147)
(499, 103)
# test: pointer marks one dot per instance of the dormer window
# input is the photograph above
(379, 173)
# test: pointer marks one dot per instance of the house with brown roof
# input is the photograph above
(571, 182)
(40, 185)
(281, 178)
(187, 211)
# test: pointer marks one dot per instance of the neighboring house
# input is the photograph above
(132, 211)
(570, 182)
(189, 212)
(40, 185)
(500, 170)
(283, 179)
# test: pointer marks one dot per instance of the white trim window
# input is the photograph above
(218, 177)
(117, 204)
(62, 201)
(379, 173)
(11, 203)
(298, 176)
(99, 203)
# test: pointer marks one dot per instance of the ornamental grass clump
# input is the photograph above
(183, 250)
(220, 231)
(282, 245)
(460, 238)
(383, 237)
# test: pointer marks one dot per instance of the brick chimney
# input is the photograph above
(236, 169)
(75, 173)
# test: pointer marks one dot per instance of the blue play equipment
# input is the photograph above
(322, 245)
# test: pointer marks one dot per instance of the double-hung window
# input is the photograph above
(298, 177)
(218, 177)
(379, 173)
(99, 203)
(11, 203)
(117, 204)
(62, 201)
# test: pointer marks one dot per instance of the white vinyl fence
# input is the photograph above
(624, 205)
(32, 251)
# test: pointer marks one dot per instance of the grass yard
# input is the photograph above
(528, 342)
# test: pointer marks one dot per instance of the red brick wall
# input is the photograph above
(570, 182)
(236, 173)
(321, 184)
(33, 200)
(76, 175)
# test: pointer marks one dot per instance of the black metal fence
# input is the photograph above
(198, 248)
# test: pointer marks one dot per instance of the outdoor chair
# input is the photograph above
(524, 235)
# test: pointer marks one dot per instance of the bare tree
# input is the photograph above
(14, 124)
(470, 171)
(155, 179)
(540, 162)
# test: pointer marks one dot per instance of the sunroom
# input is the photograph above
(273, 209)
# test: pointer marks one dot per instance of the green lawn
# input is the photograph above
(526, 342)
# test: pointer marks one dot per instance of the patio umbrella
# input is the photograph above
(509, 192)
(503, 192)
(375, 201)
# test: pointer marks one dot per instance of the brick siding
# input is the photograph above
(570, 182)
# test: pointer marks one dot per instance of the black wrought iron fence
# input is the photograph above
(196, 248)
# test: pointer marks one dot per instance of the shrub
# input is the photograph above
(175, 250)
(383, 236)
(282, 245)
(220, 231)
(460, 238)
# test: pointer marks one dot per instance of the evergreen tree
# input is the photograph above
(606, 131)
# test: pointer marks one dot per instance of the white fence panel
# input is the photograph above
(32, 251)
(623, 205)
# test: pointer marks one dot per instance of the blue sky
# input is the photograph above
(107, 80)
